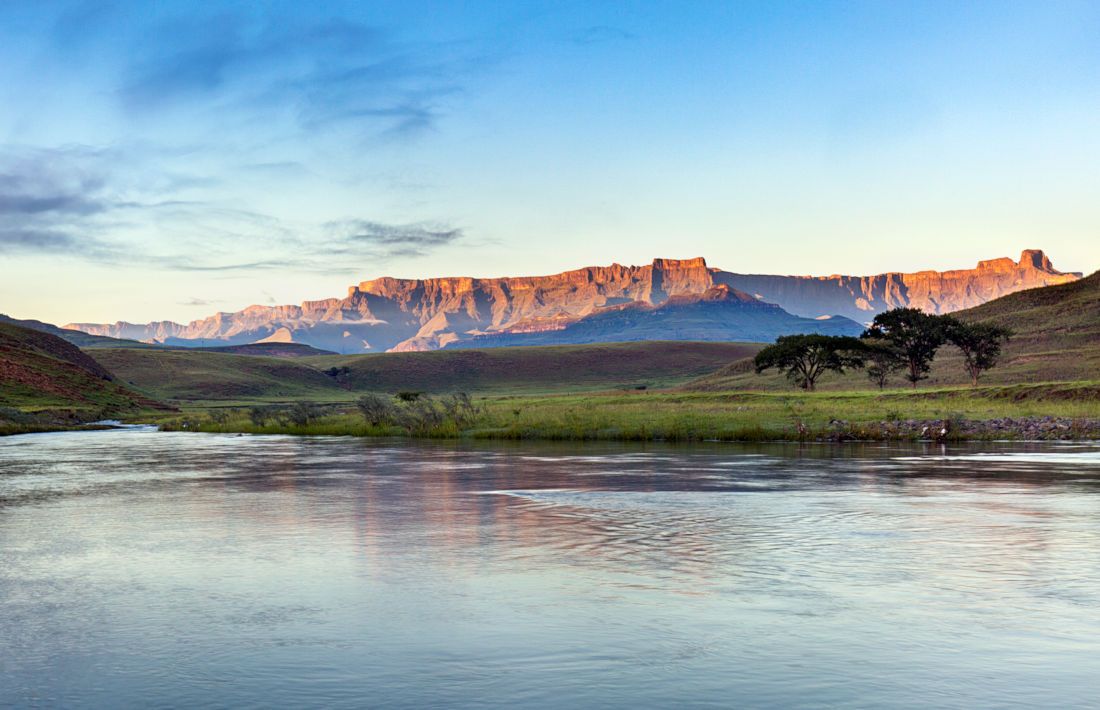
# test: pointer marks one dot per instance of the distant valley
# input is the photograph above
(668, 299)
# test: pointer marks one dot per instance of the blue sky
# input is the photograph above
(168, 160)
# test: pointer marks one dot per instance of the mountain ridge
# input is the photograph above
(421, 314)
(718, 314)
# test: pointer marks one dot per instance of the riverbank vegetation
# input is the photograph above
(1053, 410)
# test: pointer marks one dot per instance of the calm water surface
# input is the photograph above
(142, 569)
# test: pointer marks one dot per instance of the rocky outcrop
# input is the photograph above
(861, 297)
(423, 314)
(718, 314)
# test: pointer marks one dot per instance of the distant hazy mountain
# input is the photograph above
(425, 314)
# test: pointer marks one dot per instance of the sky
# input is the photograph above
(168, 160)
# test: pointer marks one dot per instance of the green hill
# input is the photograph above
(46, 379)
(191, 376)
(209, 378)
(549, 368)
(1057, 332)
(1057, 340)
(76, 337)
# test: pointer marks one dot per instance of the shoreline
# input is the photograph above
(1018, 429)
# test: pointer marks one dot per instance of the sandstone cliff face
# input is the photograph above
(861, 297)
(422, 314)
(718, 314)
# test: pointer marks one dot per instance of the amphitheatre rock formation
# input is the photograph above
(861, 297)
(422, 314)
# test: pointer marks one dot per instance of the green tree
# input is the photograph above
(804, 358)
(980, 344)
(883, 360)
(914, 334)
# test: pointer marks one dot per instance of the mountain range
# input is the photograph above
(668, 299)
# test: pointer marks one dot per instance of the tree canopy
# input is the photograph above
(804, 358)
(883, 360)
(915, 335)
(980, 344)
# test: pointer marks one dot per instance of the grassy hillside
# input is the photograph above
(1057, 340)
(76, 337)
(189, 376)
(1057, 331)
(261, 349)
(551, 368)
(46, 377)
(205, 378)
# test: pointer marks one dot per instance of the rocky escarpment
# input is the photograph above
(861, 297)
(422, 314)
(718, 314)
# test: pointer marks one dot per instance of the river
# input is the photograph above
(141, 569)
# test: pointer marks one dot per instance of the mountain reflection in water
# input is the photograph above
(147, 569)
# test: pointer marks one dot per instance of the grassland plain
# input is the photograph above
(218, 379)
(46, 382)
(1070, 410)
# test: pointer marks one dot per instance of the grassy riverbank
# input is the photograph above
(1051, 410)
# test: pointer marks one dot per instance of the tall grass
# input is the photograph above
(694, 416)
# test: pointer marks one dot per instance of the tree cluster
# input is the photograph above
(904, 339)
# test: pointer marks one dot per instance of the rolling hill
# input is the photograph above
(216, 378)
(1057, 339)
(188, 376)
(44, 375)
(77, 337)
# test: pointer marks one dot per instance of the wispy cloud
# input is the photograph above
(322, 73)
(389, 240)
(23, 240)
(67, 203)
(43, 194)
(193, 301)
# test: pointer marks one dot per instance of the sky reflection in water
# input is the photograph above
(142, 569)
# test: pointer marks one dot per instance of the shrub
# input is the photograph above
(460, 409)
(302, 413)
(376, 410)
(420, 416)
